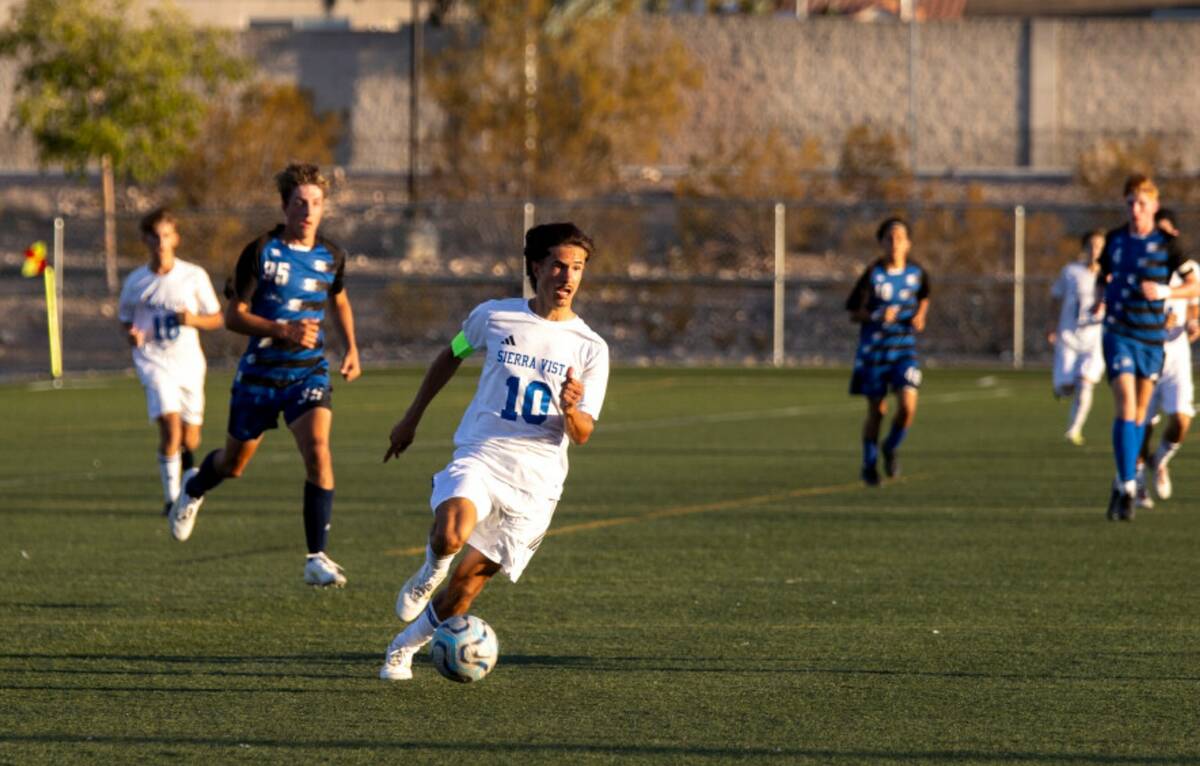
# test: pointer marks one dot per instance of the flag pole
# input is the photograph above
(52, 326)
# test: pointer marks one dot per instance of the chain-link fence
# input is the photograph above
(673, 280)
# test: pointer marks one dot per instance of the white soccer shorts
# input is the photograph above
(509, 523)
(166, 394)
(1175, 391)
(1078, 356)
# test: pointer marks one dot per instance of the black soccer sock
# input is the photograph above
(186, 459)
(206, 479)
(318, 510)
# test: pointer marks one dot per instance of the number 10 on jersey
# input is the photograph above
(535, 405)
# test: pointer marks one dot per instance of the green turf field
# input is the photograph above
(718, 587)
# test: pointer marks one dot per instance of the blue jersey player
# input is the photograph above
(890, 300)
(1135, 269)
(283, 283)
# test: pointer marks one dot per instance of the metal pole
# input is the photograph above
(414, 109)
(526, 287)
(110, 224)
(531, 124)
(780, 269)
(1019, 287)
(912, 91)
(58, 273)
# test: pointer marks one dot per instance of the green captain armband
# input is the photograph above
(460, 346)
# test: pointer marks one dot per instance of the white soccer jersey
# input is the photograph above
(1076, 287)
(151, 303)
(514, 423)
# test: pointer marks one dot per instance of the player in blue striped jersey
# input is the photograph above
(890, 299)
(1135, 269)
(278, 295)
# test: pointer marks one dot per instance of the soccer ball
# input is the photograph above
(464, 648)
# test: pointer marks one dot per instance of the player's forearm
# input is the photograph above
(578, 425)
(440, 371)
(240, 320)
(344, 317)
(202, 321)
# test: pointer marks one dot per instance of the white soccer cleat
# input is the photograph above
(1162, 482)
(323, 571)
(182, 517)
(416, 592)
(397, 665)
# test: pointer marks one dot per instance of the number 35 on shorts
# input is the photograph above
(312, 394)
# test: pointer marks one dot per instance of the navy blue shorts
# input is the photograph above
(255, 408)
(1124, 355)
(875, 380)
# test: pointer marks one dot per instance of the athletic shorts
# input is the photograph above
(1078, 355)
(167, 393)
(875, 380)
(1174, 392)
(255, 408)
(1124, 356)
(509, 523)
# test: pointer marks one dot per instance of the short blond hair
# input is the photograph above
(1140, 184)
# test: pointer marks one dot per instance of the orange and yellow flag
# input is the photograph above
(35, 260)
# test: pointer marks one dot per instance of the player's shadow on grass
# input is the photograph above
(760, 753)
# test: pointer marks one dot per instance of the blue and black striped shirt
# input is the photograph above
(286, 284)
(879, 288)
(1127, 261)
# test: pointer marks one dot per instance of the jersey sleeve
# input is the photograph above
(339, 269)
(1177, 261)
(244, 282)
(474, 329)
(594, 378)
(1059, 288)
(127, 304)
(861, 293)
(206, 296)
(923, 290)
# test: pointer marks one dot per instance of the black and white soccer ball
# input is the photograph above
(464, 648)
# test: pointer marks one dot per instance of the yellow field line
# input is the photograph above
(682, 510)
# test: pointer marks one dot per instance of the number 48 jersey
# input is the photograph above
(151, 302)
(514, 424)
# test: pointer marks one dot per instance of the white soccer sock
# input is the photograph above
(439, 564)
(418, 633)
(170, 469)
(1166, 451)
(1081, 405)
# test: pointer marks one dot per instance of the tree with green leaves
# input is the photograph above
(101, 84)
(547, 98)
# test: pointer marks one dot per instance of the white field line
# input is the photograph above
(794, 411)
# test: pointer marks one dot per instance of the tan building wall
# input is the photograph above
(989, 94)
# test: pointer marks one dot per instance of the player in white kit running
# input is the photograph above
(542, 386)
(1078, 352)
(162, 306)
(1174, 392)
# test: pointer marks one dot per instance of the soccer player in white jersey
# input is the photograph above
(162, 306)
(1078, 351)
(1174, 392)
(542, 386)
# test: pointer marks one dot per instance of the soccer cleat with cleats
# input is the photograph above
(1142, 499)
(182, 516)
(397, 664)
(891, 464)
(870, 475)
(1074, 438)
(416, 592)
(1162, 482)
(1127, 507)
(322, 571)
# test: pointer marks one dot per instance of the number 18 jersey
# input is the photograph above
(514, 425)
(151, 302)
